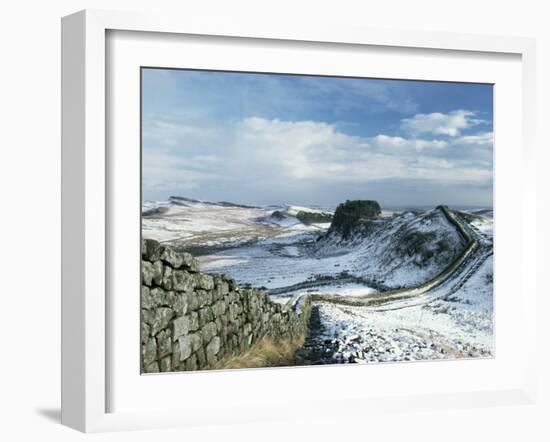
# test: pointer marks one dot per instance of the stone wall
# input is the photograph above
(190, 320)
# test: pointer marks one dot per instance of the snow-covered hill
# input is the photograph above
(399, 251)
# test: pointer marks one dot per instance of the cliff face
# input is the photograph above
(191, 320)
(349, 216)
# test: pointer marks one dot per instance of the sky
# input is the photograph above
(292, 139)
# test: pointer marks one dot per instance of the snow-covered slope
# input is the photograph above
(400, 251)
(183, 221)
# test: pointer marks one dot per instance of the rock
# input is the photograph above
(158, 319)
(212, 350)
(185, 347)
(145, 332)
(152, 368)
(180, 302)
(181, 326)
(218, 308)
(166, 364)
(190, 263)
(351, 215)
(152, 298)
(145, 303)
(201, 358)
(153, 250)
(209, 331)
(182, 281)
(164, 343)
(149, 351)
(157, 272)
(147, 273)
(194, 301)
(167, 279)
(205, 281)
(204, 297)
(191, 363)
(196, 341)
(194, 323)
(170, 256)
(205, 316)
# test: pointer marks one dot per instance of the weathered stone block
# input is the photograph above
(145, 332)
(147, 273)
(158, 318)
(182, 281)
(193, 300)
(191, 363)
(205, 316)
(180, 303)
(152, 298)
(212, 350)
(143, 248)
(152, 368)
(181, 326)
(233, 312)
(190, 263)
(176, 354)
(149, 351)
(166, 364)
(145, 296)
(205, 281)
(185, 347)
(170, 256)
(201, 358)
(167, 279)
(196, 341)
(208, 332)
(164, 343)
(194, 321)
(218, 308)
(158, 271)
(153, 250)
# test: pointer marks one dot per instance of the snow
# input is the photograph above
(294, 210)
(202, 222)
(379, 256)
(453, 319)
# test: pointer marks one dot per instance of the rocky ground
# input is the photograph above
(342, 335)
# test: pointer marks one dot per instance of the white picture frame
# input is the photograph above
(86, 315)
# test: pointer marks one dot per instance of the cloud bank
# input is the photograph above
(288, 154)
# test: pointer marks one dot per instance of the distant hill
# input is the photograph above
(182, 200)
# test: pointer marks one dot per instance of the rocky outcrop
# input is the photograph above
(351, 215)
(191, 320)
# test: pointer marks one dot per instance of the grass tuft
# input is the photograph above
(264, 353)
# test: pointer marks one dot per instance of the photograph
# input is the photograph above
(292, 220)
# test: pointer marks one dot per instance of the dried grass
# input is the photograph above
(264, 353)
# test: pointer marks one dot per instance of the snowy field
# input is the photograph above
(398, 250)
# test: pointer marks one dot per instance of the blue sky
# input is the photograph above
(272, 139)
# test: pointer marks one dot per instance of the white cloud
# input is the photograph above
(312, 150)
(295, 154)
(436, 123)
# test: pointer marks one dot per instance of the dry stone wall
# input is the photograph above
(190, 320)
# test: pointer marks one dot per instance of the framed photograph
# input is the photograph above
(250, 213)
